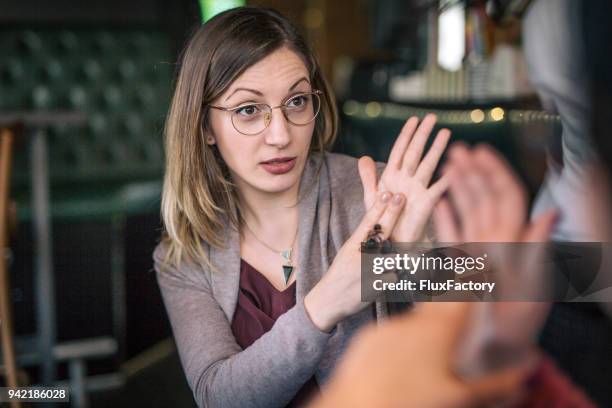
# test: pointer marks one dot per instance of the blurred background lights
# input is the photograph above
(373, 109)
(477, 115)
(451, 38)
(497, 114)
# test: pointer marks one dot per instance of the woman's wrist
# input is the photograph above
(318, 312)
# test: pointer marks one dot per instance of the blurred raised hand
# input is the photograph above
(409, 172)
(488, 204)
(407, 362)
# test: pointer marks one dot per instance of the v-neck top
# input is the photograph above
(259, 305)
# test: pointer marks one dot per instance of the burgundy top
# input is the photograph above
(259, 305)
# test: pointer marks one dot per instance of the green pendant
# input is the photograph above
(287, 269)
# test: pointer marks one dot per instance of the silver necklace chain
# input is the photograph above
(281, 252)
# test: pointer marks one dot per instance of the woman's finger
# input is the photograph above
(440, 186)
(389, 218)
(371, 217)
(367, 172)
(429, 163)
(401, 143)
(413, 154)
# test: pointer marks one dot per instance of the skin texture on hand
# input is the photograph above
(410, 173)
(407, 362)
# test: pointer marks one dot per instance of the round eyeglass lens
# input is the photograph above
(255, 118)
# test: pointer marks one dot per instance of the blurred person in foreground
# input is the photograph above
(567, 46)
(420, 359)
(364, 378)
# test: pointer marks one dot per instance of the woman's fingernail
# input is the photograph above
(385, 197)
(397, 199)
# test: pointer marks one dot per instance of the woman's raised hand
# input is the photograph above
(410, 174)
(338, 294)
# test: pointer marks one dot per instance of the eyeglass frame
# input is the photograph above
(314, 92)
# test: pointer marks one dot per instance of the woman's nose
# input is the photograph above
(278, 132)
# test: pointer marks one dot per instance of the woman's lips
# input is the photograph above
(279, 166)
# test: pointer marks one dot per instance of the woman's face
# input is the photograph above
(271, 161)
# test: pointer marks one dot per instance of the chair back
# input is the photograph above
(6, 323)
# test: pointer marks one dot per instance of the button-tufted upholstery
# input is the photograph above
(120, 79)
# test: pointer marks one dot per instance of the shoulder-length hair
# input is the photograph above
(199, 197)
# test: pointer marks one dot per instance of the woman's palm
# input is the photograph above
(410, 175)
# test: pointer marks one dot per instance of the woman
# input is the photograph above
(260, 264)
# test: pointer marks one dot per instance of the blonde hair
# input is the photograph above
(199, 198)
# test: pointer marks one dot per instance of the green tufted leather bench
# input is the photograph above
(120, 79)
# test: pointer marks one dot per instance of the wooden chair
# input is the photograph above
(6, 324)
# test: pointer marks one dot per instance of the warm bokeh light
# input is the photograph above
(350, 108)
(373, 109)
(497, 114)
(477, 115)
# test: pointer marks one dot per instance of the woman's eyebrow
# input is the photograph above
(256, 92)
(244, 89)
(297, 82)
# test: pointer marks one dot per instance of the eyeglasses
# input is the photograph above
(254, 118)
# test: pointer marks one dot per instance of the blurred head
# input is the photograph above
(220, 137)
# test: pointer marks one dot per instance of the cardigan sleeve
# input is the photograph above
(266, 374)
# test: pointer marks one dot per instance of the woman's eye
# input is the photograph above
(297, 102)
(248, 110)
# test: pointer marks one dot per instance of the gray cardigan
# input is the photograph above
(201, 303)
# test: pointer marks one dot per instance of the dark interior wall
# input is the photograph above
(177, 17)
(83, 12)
